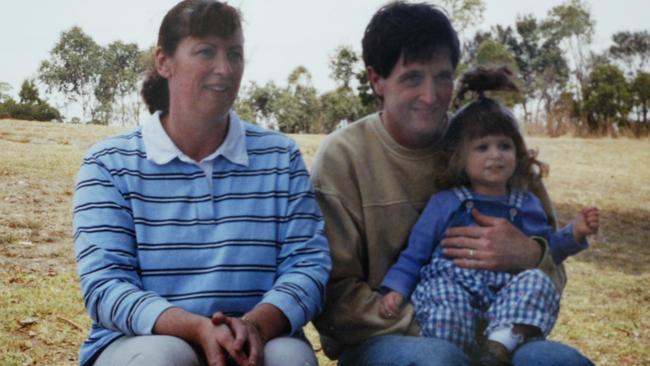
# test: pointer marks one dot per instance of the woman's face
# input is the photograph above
(204, 74)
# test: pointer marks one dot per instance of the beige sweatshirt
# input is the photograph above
(371, 191)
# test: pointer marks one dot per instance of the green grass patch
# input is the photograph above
(43, 316)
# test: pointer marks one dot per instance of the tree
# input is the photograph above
(608, 99)
(632, 49)
(471, 46)
(297, 107)
(552, 76)
(464, 13)
(341, 104)
(30, 107)
(342, 65)
(292, 109)
(29, 93)
(524, 42)
(244, 111)
(5, 88)
(541, 64)
(640, 88)
(72, 68)
(370, 103)
(256, 103)
(118, 79)
(338, 106)
(571, 25)
(492, 52)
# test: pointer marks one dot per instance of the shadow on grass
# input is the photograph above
(622, 243)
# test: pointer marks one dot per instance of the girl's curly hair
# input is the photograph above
(479, 118)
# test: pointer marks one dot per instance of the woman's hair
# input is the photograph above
(189, 18)
(483, 117)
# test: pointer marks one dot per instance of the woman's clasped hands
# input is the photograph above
(223, 337)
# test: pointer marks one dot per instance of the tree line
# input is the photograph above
(566, 86)
(30, 106)
(102, 81)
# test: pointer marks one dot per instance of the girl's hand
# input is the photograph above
(391, 305)
(586, 223)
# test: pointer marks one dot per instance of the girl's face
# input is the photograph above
(489, 163)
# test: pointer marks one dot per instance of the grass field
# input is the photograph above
(606, 307)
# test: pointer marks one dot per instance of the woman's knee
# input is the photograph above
(149, 350)
(289, 351)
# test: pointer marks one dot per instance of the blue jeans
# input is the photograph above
(548, 353)
(398, 350)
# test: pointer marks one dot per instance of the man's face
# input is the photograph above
(416, 97)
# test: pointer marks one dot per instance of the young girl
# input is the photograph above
(488, 170)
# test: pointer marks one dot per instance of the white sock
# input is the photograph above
(506, 337)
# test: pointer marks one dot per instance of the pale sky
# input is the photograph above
(280, 34)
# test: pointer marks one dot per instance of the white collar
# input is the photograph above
(161, 149)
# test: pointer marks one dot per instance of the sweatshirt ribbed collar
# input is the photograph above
(394, 146)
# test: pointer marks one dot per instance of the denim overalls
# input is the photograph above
(449, 300)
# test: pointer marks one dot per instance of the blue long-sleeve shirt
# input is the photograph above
(440, 214)
(152, 231)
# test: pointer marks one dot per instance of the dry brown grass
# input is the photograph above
(606, 306)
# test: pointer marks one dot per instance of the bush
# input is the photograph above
(45, 112)
(4, 113)
(39, 111)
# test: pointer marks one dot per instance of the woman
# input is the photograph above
(197, 235)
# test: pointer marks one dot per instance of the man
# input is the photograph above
(373, 178)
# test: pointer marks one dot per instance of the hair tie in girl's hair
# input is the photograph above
(485, 78)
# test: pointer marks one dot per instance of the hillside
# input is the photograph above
(606, 307)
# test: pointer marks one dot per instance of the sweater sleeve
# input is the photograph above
(105, 248)
(351, 312)
(427, 232)
(304, 261)
(544, 220)
(561, 243)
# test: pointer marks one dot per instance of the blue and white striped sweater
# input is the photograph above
(149, 236)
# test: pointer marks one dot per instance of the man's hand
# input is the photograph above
(391, 304)
(586, 223)
(493, 245)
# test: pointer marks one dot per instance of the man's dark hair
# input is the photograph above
(416, 30)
